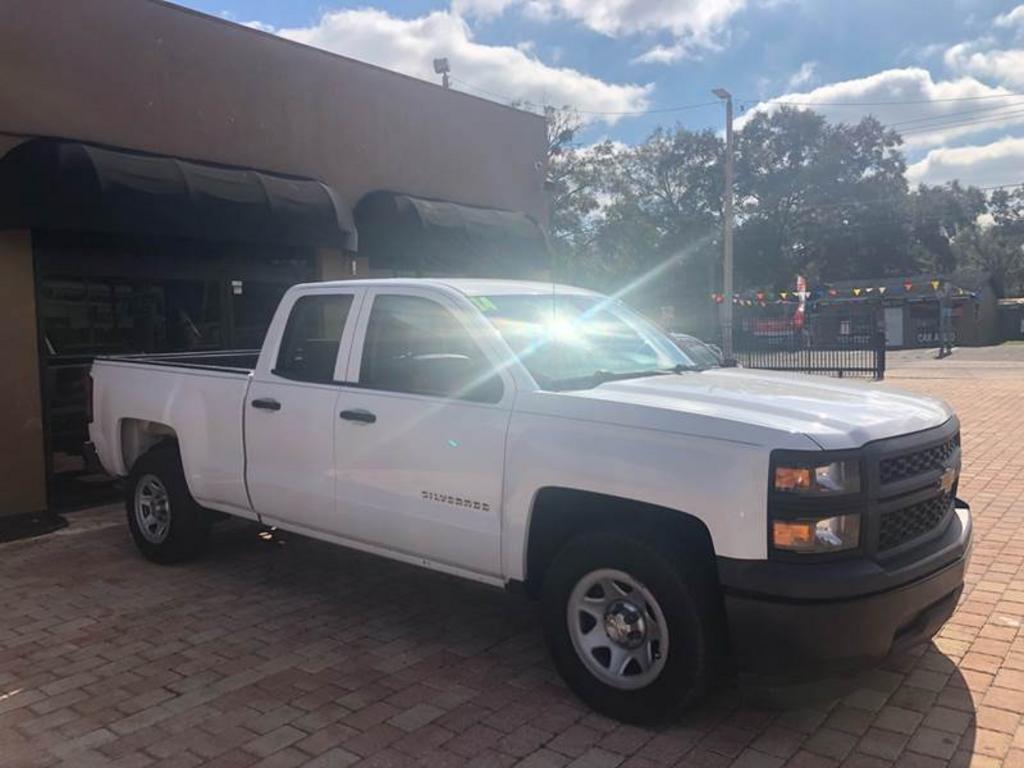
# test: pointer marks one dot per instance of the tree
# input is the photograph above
(573, 182)
(999, 248)
(659, 227)
(816, 198)
(826, 200)
(940, 216)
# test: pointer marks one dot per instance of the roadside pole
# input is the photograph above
(727, 223)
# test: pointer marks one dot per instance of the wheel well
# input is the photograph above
(560, 513)
(139, 435)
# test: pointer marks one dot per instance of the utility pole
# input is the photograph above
(727, 221)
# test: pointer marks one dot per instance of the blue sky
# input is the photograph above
(950, 73)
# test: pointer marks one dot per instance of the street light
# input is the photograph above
(727, 216)
(442, 67)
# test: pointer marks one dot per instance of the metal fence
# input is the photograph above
(836, 339)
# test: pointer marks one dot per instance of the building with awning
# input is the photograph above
(165, 177)
(912, 306)
(413, 236)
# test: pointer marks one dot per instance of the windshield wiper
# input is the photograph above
(684, 368)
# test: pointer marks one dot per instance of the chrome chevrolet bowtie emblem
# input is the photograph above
(947, 479)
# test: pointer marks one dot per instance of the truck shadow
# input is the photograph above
(375, 628)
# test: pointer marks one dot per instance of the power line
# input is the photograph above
(962, 123)
(892, 102)
(681, 108)
(954, 114)
(770, 102)
(609, 113)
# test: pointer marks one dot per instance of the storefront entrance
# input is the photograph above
(108, 294)
(131, 252)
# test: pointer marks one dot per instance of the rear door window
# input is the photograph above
(309, 346)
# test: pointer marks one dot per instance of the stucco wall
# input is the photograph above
(147, 75)
(22, 467)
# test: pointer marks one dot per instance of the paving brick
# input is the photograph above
(416, 717)
(275, 740)
(333, 758)
(991, 743)
(597, 758)
(246, 659)
(893, 718)
(831, 743)
(928, 741)
(884, 744)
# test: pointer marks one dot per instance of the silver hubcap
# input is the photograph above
(617, 629)
(152, 509)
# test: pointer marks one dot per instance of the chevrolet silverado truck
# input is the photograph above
(668, 516)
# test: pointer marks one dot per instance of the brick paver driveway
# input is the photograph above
(286, 652)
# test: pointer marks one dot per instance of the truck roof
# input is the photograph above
(467, 286)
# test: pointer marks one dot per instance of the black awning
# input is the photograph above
(434, 237)
(64, 185)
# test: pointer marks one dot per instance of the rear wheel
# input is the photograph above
(633, 624)
(166, 523)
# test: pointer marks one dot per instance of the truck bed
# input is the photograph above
(197, 397)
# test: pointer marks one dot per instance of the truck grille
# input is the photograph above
(904, 525)
(908, 465)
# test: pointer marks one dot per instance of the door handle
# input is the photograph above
(266, 403)
(363, 417)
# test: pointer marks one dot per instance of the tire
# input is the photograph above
(625, 577)
(166, 523)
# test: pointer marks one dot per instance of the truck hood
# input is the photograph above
(834, 414)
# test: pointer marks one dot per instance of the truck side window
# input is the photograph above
(309, 346)
(415, 345)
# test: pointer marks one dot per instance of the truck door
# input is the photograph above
(289, 411)
(420, 434)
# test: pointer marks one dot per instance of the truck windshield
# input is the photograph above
(579, 341)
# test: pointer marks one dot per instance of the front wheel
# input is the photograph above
(166, 523)
(633, 625)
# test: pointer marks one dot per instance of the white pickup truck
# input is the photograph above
(548, 439)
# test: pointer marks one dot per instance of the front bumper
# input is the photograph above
(791, 622)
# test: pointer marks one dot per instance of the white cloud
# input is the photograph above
(662, 54)
(805, 75)
(1004, 65)
(696, 20)
(694, 25)
(983, 165)
(481, 8)
(258, 25)
(503, 72)
(1011, 18)
(927, 111)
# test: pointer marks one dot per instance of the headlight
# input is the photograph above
(826, 534)
(834, 478)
